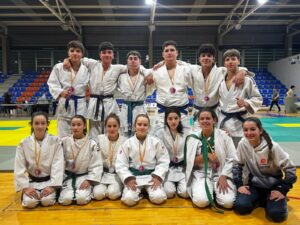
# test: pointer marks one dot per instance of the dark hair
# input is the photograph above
(39, 113)
(83, 120)
(211, 111)
(136, 53)
(112, 116)
(292, 86)
(207, 48)
(174, 110)
(105, 46)
(259, 125)
(169, 42)
(75, 44)
(142, 115)
(231, 53)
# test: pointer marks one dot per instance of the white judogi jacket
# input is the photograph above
(88, 159)
(228, 103)
(175, 173)
(224, 150)
(156, 157)
(182, 80)
(265, 166)
(102, 84)
(59, 80)
(51, 162)
(131, 92)
(104, 145)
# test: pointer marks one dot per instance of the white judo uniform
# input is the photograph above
(195, 177)
(172, 93)
(102, 87)
(82, 162)
(110, 186)
(134, 95)
(60, 80)
(231, 115)
(48, 172)
(129, 164)
(176, 174)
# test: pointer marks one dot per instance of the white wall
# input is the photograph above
(286, 72)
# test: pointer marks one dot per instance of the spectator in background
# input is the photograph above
(291, 91)
(275, 99)
(7, 100)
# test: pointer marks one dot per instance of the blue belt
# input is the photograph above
(182, 109)
(75, 98)
(130, 107)
(228, 116)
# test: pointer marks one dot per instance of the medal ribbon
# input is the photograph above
(79, 149)
(37, 156)
(142, 156)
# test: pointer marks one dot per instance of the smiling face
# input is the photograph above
(77, 127)
(206, 121)
(39, 125)
(112, 128)
(252, 132)
(107, 56)
(75, 54)
(173, 121)
(142, 125)
(206, 60)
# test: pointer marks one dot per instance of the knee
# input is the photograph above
(48, 201)
(226, 202)
(130, 198)
(243, 207)
(113, 193)
(183, 194)
(277, 215)
(29, 203)
(170, 193)
(99, 193)
(201, 203)
(158, 196)
(83, 197)
(170, 189)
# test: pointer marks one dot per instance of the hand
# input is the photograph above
(227, 131)
(158, 65)
(156, 182)
(242, 103)
(64, 94)
(47, 191)
(131, 183)
(31, 193)
(66, 63)
(244, 190)
(198, 162)
(240, 78)
(223, 185)
(213, 160)
(85, 185)
(149, 79)
(276, 195)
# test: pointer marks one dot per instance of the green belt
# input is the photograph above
(205, 158)
(73, 176)
(137, 172)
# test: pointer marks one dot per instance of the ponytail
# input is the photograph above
(267, 137)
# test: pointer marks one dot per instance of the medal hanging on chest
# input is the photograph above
(37, 156)
(37, 171)
(142, 155)
(206, 98)
(172, 78)
(172, 90)
(174, 148)
(72, 162)
(206, 88)
(71, 89)
(112, 149)
(141, 168)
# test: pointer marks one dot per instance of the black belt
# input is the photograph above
(75, 98)
(38, 179)
(100, 100)
(176, 164)
(182, 109)
(228, 116)
(196, 115)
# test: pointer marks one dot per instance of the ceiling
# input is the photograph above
(75, 15)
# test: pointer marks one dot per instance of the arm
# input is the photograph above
(21, 180)
(95, 169)
(163, 160)
(122, 163)
(89, 63)
(255, 99)
(231, 155)
(54, 84)
(57, 167)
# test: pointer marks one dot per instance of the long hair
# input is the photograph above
(39, 113)
(264, 134)
(174, 110)
(83, 120)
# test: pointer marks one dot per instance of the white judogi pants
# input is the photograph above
(131, 197)
(82, 197)
(31, 203)
(170, 188)
(110, 191)
(199, 196)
